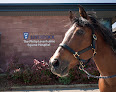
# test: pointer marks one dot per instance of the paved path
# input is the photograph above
(61, 90)
(69, 90)
(57, 88)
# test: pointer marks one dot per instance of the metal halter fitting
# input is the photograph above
(81, 61)
(77, 54)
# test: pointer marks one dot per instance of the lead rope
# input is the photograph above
(81, 67)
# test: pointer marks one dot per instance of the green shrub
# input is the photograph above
(65, 80)
(40, 74)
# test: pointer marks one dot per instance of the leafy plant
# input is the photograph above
(39, 73)
(65, 80)
(27, 76)
(17, 75)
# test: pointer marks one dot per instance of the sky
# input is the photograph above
(57, 1)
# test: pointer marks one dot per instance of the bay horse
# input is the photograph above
(87, 39)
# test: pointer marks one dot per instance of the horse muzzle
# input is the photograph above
(59, 68)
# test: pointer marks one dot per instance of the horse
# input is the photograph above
(87, 39)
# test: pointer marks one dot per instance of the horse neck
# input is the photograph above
(105, 58)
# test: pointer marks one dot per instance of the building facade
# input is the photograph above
(34, 31)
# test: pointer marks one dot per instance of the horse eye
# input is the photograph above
(80, 32)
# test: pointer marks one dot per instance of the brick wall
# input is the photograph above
(12, 44)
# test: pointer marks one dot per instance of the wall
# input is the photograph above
(12, 39)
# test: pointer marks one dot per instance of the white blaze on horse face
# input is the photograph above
(55, 54)
(68, 34)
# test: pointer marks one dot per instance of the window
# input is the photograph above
(107, 23)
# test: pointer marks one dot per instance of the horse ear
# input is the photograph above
(71, 16)
(82, 12)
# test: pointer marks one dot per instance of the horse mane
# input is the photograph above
(105, 32)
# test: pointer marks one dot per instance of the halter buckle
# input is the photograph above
(94, 52)
(81, 67)
(76, 55)
(94, 37)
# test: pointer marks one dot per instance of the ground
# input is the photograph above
(70, 90)
(63, 90)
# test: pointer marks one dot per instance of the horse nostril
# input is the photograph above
(55, 63)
